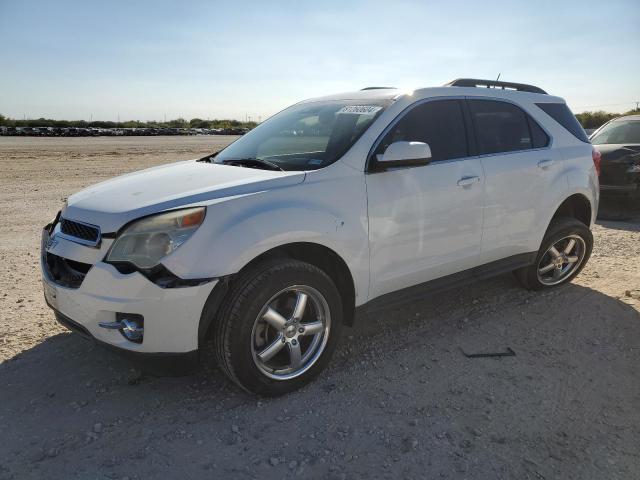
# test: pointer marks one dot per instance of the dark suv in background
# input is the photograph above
(619, 144)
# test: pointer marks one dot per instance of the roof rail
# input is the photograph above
(474, 82)
(375, 88)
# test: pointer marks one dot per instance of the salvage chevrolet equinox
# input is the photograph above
(253, 258)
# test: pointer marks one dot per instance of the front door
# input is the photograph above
(425, 222)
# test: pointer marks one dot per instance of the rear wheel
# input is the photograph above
(277, 327)
(565, 250)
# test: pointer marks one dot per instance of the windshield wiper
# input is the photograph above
(209, 158)
(254, 161)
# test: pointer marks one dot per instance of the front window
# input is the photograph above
(307, 136)
(440, 124)
(618, 132)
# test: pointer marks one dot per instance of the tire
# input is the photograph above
(560, 233)
(246, 325)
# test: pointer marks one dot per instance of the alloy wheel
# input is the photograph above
(561, 260)
(290, 332)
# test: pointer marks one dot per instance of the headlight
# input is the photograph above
(145, 242)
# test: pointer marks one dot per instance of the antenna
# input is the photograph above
(498, 77)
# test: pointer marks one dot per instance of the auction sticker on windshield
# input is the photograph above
(360, 109)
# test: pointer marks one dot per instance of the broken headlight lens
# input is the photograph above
(145, 242)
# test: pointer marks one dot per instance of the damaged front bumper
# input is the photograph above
(85, 292)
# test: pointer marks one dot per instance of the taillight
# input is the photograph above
(597, 156)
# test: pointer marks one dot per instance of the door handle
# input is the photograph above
(467, 181)
(545, 163)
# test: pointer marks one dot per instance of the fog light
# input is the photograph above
(130, 325)
(132, 331)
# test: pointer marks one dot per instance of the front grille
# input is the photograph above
(81, 231)
(65, 272)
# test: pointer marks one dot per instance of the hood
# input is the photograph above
(113, 203)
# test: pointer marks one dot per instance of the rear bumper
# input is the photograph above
(631, 189)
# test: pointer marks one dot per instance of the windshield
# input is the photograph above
(618, 132)
(306, 136)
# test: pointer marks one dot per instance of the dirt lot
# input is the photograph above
(398, 401)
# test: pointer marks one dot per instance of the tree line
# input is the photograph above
(599, 118)
(586, 119)
(176, 123)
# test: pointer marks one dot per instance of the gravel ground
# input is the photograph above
(398, 401)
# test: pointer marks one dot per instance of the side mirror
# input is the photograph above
(404, 154)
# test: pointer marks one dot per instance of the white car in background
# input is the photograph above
(253, 258)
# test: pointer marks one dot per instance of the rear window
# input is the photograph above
(561, 114)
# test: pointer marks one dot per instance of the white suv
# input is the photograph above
(253, 258)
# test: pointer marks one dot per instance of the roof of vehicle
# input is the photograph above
(626, 117)
(484, 88)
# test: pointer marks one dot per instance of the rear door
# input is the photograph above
(520, 167)
(425, 222)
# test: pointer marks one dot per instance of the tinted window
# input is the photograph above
(538, 136)
(439, 124)
(500, 127)
(561, 114)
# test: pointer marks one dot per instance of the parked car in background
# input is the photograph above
(96, 131)
(619, 144)
(251, 259)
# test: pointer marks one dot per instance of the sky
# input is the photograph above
(150, 60)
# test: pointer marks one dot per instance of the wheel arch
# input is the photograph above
(576, 206)
(316, 254)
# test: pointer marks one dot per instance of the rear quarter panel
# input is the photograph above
(582, 177)
(577, 164)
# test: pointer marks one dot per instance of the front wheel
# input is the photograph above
(278, 327)
(565, 249)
